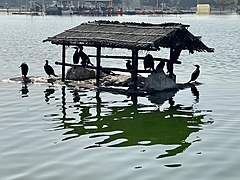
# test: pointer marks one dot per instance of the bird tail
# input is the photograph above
(55, 75)
(91, 64)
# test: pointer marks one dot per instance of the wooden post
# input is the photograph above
(174, 55)
(63, 61)
(98, 65)
(135, 68)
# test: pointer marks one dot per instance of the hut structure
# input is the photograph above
(130, 36)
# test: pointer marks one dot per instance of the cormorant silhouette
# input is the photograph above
(195, 73)
(160, 65)
(85, 59)
(76, 56)
(148, 62)
(128, 65)
(49, 70)
(24, 69)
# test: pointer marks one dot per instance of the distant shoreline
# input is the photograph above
(20, 11)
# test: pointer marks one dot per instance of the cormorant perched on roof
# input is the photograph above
(49, 70)
(128, 65)
(85, 59)
(24, 69)
(148, 62)
(195, 74)
(76, 56)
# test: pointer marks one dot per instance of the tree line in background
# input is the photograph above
(154, 3)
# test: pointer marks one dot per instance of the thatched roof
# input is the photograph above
(141, 36)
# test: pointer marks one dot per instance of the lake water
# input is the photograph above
(55, 132)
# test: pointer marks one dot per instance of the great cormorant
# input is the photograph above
(160, 65)
(128, 65)
(148, 62)
(85, 59)
(49, 70)
(76, 56)
(24, 69)
(195, 73)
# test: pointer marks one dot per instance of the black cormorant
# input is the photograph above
(160, 65)
(76, 56)
(49, 70)
(128, 65)
(24, 69)
(148, 62)
(195, 73)
(85, 59)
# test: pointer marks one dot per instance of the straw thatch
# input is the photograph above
(140, 36)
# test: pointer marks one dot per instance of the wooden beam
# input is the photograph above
(98, 66)
(129, 57)
(135, 68)
(103, 68)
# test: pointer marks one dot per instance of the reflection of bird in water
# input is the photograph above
(76, 56)
(24, 90)
(49, 70)
(171, 102)
(148, 62)
(24, 69)
(128, 65)
(195, 74)
(76, 97)
(195, 93)
(85, 59)
(48, 92)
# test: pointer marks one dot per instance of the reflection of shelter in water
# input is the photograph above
(133, 125)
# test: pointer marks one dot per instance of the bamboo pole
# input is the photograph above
(98, 65)
(135, 68)
(129, 57)
(103, 68)
(63, 61)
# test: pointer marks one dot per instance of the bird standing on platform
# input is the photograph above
(76, 56)
(148, 62)
(195, 74)
(49, 70)
(24, 69)
(128, 65)
(85, 59)
(160, 66)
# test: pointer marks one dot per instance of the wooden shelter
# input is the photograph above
(130, 36)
